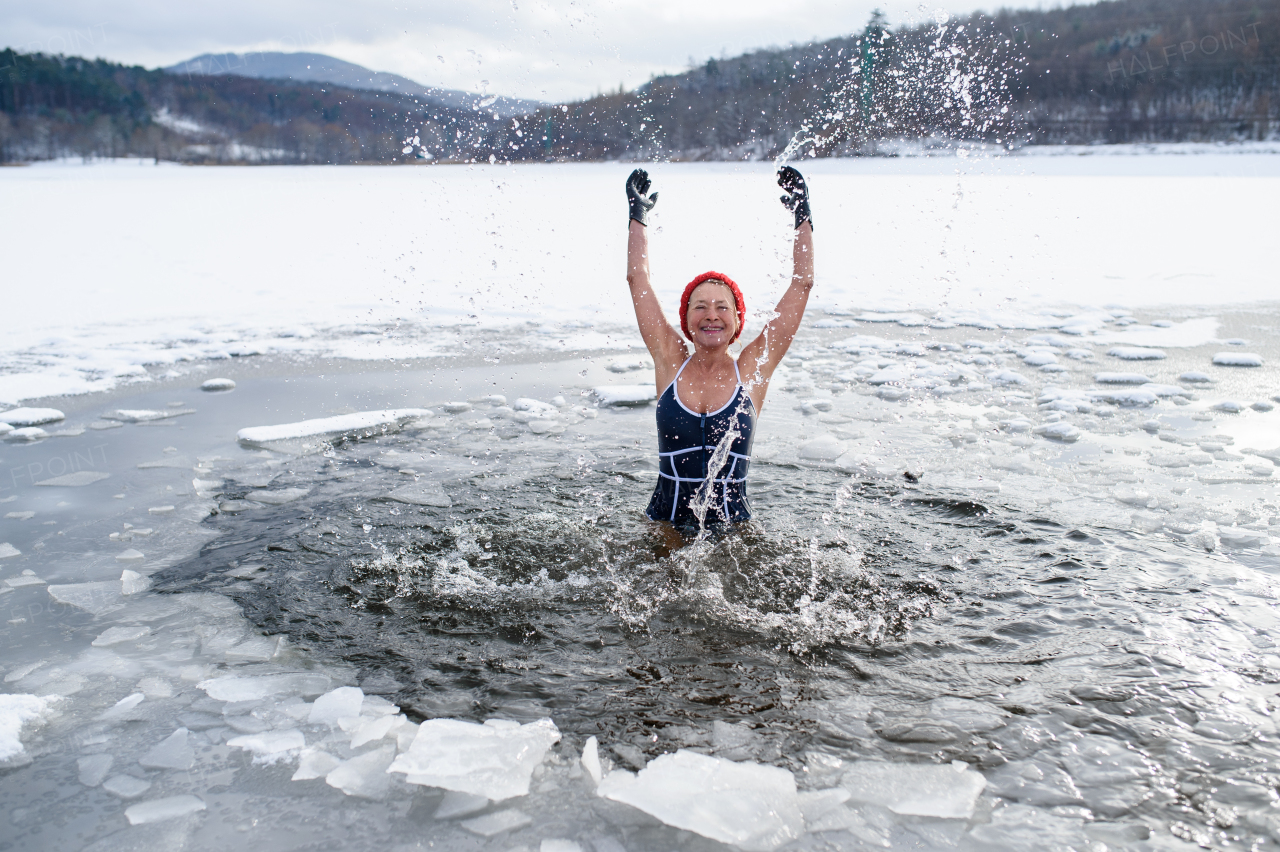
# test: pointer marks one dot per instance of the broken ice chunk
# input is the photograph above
(559, 844)
(315, 764)
(77, 479)
(311, 435)
(126, 786)
(94, 768)
(130, 556)
(120, 635)
(591, 759)
(26, 433)
(237, 688)
(624, 395)
(455, 804)
(279, 496)
(270, 746)
(173, 752)
(365, 775)
(1136, 353)
(132, 583)
(749, 805)
(161, 809)
(495, 760)
(8, 551)
(1237, 359)
(142, 415)
(496, 823)
(1060, 431)
(336, 704)
(217, 385)
(943, 791)
(422, 494)
(375, 729)
(123, 707)
(1121, 379)
(825, 448)
(20, 417)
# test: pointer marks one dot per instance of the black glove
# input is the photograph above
(797, 198)
(637, 186)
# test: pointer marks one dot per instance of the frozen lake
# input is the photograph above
(1011, 583)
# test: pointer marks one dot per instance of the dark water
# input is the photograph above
(834, 626)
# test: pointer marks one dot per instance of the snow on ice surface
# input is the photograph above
(1136, 353)
(20, 417)
(1237, 359)
(625, 394)
(495, 760)
(313, 434)
(95, 340)
(749, 805)
(16, 712)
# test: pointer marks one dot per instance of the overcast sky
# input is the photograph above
(561, 50)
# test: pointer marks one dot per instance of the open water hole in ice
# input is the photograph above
(1113, 682)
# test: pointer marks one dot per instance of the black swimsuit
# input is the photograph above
(686, 442)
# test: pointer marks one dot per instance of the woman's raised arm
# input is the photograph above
(663, 341)
(761, 356)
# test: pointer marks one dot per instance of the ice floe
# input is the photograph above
(22, 417)
(946, 791)
(217, 385)
(25, 434)
(495, 760)
(170, 807)
(146, 415)
(1121, 379)
(75, 479)
(1136, 353)
(312, 435)
(625, 394)
(752, 806)
(271, 746)
(1237, 359)
(254, 688)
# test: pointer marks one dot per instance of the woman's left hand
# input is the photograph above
(797, 198)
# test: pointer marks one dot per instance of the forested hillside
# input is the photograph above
(1122, 71)
(58, 106)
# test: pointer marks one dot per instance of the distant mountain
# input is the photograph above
(319, 68)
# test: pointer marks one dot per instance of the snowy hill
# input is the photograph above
(319, 68)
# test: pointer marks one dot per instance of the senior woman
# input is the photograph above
(708, 400)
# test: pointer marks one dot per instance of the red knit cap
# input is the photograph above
(726, 281)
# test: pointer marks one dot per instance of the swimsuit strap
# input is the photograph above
(736, 373)
(677, 378)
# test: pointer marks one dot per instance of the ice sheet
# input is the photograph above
(95, 340)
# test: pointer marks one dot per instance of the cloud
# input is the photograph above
(527, 48)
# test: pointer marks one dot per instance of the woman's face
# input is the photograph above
(713, 315)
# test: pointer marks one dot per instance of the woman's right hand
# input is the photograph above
(637, 185)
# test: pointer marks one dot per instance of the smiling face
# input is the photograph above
(713, 315)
